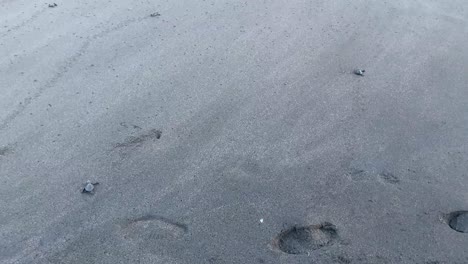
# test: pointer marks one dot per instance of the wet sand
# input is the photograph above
(233, 131)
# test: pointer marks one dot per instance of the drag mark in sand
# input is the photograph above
(33, 17)
(67, 65)
(136, 141)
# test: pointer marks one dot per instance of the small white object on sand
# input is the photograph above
(89, 186)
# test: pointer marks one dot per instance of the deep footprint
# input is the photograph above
(303, 240)
(458, 221)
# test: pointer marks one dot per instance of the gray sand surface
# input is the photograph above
(201, 121)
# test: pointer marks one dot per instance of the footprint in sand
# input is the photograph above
(305, 239)
(389, 177)
(152, 227)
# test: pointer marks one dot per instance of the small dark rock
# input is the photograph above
(359, 72)
(156, 14)
(53, 5)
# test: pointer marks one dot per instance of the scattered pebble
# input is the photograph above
(359, 72)
(89, 187)
(155, 14)
(53, 5)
